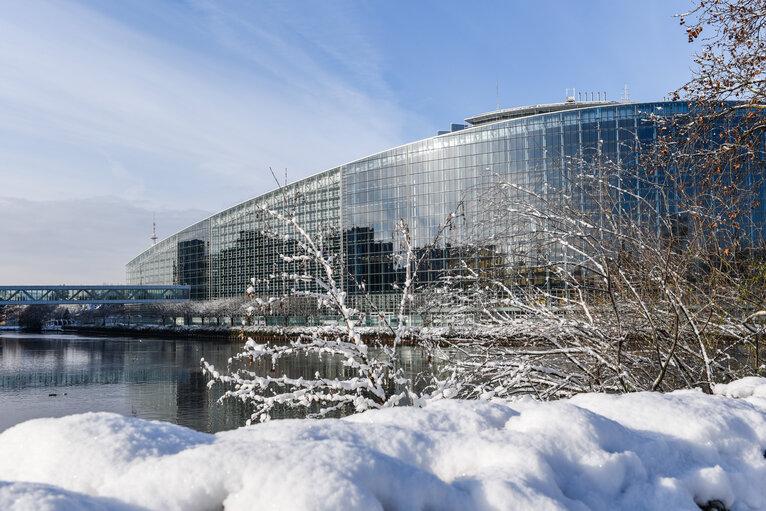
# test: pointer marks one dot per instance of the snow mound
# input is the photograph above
(603, 452)
(746, 387)
(41, 497)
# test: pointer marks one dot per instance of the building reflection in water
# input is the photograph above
(54, 375)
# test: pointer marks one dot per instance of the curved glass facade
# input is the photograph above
(359, 203)
(218, 256)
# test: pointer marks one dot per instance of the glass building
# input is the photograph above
(357, 205)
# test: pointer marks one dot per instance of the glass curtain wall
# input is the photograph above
(357, 206)
(218, 256)
(424, 182)
(243, 245)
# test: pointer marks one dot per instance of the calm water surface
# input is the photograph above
(52, 375)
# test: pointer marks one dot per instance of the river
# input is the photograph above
(52, 375)
(57, 374)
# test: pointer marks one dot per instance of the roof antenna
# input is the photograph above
(625, 96)
(497, 94)
(154, 232)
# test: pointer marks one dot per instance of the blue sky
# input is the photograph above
(114, 112)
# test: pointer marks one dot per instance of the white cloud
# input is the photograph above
(85, 241)
(191, 126)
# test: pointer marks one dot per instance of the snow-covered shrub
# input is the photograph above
(371, 376)
(604, 297)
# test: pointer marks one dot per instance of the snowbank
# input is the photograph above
(746, 387)
(638, 451)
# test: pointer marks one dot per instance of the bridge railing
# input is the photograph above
(32, 295)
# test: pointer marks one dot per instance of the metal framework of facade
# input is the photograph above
(33, 295)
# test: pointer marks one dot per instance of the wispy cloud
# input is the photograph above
(171, 104)
(76, 84)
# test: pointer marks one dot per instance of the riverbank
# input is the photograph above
(200, 332)
(518, 333)
(261, 334)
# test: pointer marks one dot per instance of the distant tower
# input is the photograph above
(154, 232)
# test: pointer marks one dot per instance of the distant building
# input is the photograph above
(421, 182)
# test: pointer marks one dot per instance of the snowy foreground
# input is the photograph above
(638, 451)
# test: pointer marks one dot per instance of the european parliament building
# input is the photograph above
(357, 205)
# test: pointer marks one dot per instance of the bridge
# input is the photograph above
(37, 295)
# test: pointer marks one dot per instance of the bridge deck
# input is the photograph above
(32, 295)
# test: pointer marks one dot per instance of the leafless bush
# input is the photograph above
(607, 286)
(371, 375)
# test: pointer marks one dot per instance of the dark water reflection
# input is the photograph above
(52, 375)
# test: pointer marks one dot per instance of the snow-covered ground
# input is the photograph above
(648, 451)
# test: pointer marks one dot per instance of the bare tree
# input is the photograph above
(721, 139)
(33, 317)
(222, 308)
(615, 282)
(370, 374)
(729, 66)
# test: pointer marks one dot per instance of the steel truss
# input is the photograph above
(32, 295)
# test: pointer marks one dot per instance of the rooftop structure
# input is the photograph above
(526, 111)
